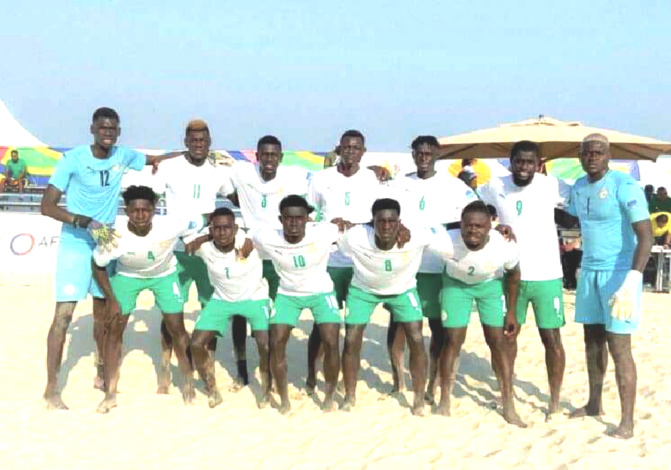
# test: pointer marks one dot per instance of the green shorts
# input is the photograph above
(342, 278)
(547, 299)
(287, 309)
(165, 289)
(457, 302)
(217, 313)
(192, 269)
(271, 276)
(429, 286)
(404, 307)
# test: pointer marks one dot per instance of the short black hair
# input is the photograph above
(14, 152)
(661, 188)
(661, 217)
(649, 187)
(475, 207)
(384, 204)
(294, 200)
(524, 146)
(222, 212)
(354, 133)
(269, 140)
(466, 176)
(424, 139)
(139, 192)
(492, 211)
(105, 113)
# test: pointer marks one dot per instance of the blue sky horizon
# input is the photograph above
(306, 72)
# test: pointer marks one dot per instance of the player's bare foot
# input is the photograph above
(54, 402)
(623, 431)
(443, 408)
(429, 398)
(553, 410)
(264, 401)
(586, 410)
(329, 405)
(99, 383)
(214, 399)
(512, 417)
(348, 404)
(106, 405)
(285, 407)
(238, 384)
(310, 386)
(418, 408)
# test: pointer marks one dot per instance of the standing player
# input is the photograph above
(299, 253)
(526, 201)
(145, 261)
(429, 199)
(259, 189)
(191, 185)
(385, 273)
(91, 178)
(346, 192)
(475, 273)
(616, 243)
(239, 290)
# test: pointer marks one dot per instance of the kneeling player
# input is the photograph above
(300, 252)
(481, 256)
(239, 289)
(145, 261)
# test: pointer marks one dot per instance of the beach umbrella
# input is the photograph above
(41, 161)
(557, 139)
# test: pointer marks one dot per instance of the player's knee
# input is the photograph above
(263, 344)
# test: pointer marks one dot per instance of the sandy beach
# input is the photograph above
(150, 431)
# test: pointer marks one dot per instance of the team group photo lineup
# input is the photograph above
(333, 246)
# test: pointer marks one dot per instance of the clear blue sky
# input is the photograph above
(305, 71)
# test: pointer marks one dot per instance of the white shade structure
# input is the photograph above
(557, 139)
(13, 134)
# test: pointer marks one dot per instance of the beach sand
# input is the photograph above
(150, 431)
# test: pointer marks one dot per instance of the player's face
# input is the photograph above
(140, 213)
(105, 132)
(594, 158)
(293, 221)
(425, 157)
(662, 194)
(475, 227)
(386, 223)
(523, 166)
(351, 150)
(198, 144)
(15, 157)
(223, 230)
(269, 157)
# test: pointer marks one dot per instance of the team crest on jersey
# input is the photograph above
(312, 248)
(603, 194)
(165, 243)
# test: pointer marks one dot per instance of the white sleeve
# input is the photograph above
(564, 191)
(485, 193)
(440, 243)
(344, 242)
(512, 255)
(103, 258)
(192, 230)
(313, 196)
(227, 187)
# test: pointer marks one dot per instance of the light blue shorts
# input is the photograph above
(595, 289)
(74, 277)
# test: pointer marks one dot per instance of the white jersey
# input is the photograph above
(234, 279)
(149, 256)
(191, 189)
(350, 198)
(529, 210)
(301, 267)
(259, 199)
(430, 202)
(390, 272)
(490, 262)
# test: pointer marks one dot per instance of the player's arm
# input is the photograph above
(512, 280)
(102, 278)
(564, 219)
(381, 172)
(155, 160)
(50, 208)
(644, 241)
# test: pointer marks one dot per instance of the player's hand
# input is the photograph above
(506, 231)
(194, 245)
(403, 236)
(243, 248)
(623, 302)
(104, 235)
(511, 328)
(113, 311)
(381, 172)
(342, 224)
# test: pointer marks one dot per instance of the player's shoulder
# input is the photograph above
(620, 178)
(581, 182)
(78, 151)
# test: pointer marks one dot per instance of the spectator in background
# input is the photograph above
(661, 228)
(15, 174)
(660, 202)
(649, 191)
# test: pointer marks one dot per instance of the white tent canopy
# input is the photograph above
(13, 134)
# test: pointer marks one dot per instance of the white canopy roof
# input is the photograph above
(13, 134)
